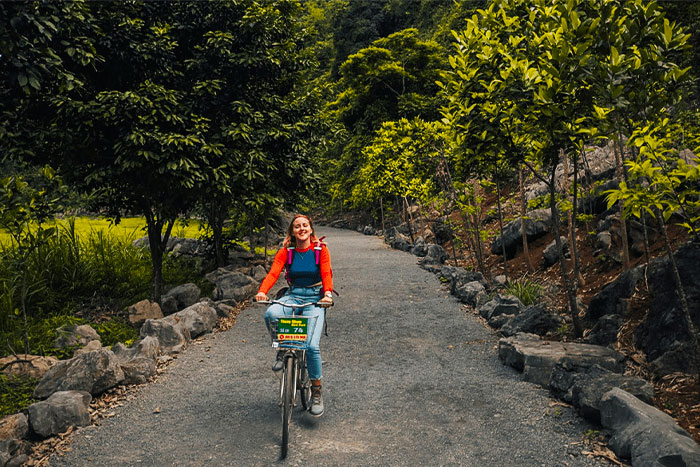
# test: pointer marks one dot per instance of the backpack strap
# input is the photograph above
(288, 264)
(317, 250)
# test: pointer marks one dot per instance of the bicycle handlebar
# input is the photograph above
(292, 305)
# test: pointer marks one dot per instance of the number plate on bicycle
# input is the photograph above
(292, 329)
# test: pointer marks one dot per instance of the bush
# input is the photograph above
(15, 394)
(527, 291)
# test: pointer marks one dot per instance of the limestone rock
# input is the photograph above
(147, 347)
(91, 347)
(501, 305)
(71, 335)
(92, 372)
(605, 330)
(471, 293)
(171, 335)
(534, 319)
(35, 367)
(197, 319)
(232, 285)
(185, 295)
(138, 370)
(536, 358)
(14, 427)
(59, 412)
(551, 253)
(612, 297)
(537, 225)
(141, 311)
(644, 434)
(435, 254)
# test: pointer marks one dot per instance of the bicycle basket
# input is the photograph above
(292, 332)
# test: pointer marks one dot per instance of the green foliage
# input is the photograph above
(114, 331)
(527, 291)
(15, 394)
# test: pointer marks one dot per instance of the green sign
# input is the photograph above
(292, 329)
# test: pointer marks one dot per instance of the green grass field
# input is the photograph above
(129, 228)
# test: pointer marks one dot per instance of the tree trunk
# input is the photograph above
(408, 219)
(500, 225)
(623, 224)
(216, 222)
(476, 221)
(523, 222)
(251, 234)
(681, 293)
(572, 226)
(381, 208)
(570, 291)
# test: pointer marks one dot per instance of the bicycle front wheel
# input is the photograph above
(305, 386)
(288, 394)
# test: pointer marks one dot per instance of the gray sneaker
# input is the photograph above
(278, 365)
(316, 401)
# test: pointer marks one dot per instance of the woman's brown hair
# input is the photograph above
(290, 240)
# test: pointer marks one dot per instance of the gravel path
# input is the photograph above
(410, 378)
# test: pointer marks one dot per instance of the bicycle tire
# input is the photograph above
(287, 402)
(305, 386)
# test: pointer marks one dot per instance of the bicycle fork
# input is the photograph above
(289, 358)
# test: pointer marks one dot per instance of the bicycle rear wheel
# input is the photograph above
(288, 394)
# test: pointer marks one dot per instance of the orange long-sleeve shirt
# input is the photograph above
(281, 259)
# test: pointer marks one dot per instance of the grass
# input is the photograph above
(527, 291)
(129, 227)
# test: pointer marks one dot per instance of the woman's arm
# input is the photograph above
(275, 270)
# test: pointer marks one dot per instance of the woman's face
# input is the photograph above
(301, 229)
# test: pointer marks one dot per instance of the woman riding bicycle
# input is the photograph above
(310, 280)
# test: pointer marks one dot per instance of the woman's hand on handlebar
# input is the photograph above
(261, 297)
(326, 301)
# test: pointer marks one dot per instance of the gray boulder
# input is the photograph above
(59, 412)
(400, 242)
(14, 427)
(534, 319)
(71, 335)
(197, 319)
(369, 230)
(551, 253)
(664, 329)
(420, 248)
(537, 224)
(258, 273)
(442, 230)
(501, 305)
(232, 285)
(471, 293)
(34, 366)
(536, 358)
(603, 242)
(187, 247)
(139, 312)
(644, 434)
(223, 310)
(184, 295)
(584, 385)
(614, 296)
(605, 330)
(148, 347)
(435, 255)
(13, 452)
(497, 322)
(138, 370)
(92, 372)
(172, 336)
(456, 276)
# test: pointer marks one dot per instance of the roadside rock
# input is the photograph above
(664, 327)
(369, 230)
(171, 335)
(644, 434)
(91, 347)
(400, 242)
(605, 330)
(501, 305)
(551, 253)
(148, 347)
(232, 285)
(138, 370)
(584, 386)
(13, 452)
(537, 224)
(223, 310)
(71, 335)
(471, 293)
(536, 358)
(420, 248)
(59, 412)
(139, 312)
(93, 372)
(14, 427)
(435, 255)
(456, 276)
(35, 367)
(185, 295)
(442, 230)
(534, 319)
(613, 297)
(197, 319)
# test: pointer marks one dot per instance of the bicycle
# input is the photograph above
(293, 334)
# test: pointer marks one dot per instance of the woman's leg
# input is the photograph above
(313, 354)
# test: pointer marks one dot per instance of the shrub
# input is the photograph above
(526, 290)
(15, 394)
